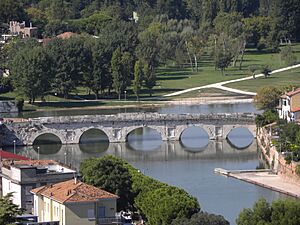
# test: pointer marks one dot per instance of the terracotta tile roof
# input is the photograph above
(291, 93)
(296, 109)
(69, 191)
(66, 35)
(30, 162)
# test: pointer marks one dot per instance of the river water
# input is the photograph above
(188, 164)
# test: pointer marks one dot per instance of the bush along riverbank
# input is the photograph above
(156, 202)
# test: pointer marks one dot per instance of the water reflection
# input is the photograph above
(144, 139)
(240, 138)
(194, 139)
(74, 154)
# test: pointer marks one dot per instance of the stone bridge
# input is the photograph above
(69, 129)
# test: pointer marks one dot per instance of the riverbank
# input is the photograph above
(264, 178)
(151, 104)
(283, 177)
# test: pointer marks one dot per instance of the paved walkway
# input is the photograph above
(270, 181)
(219, 85)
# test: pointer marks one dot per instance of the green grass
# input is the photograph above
(207, 92)
(291, 77)
(173, 78)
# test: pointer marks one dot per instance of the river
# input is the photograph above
(188, 164)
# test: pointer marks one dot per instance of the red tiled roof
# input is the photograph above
(30, 162)
(66, 35)
(71, 191)
(291, 93)
(296, 109)
(8, 155)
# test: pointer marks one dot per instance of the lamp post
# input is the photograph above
(38, 151)
(125, 95)
(14, 146)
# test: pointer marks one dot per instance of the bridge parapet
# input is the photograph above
(127, 117)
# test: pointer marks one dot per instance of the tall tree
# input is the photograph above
(149, 78)
(11, 10)
(31, 71)
(121, 67)
(8, 210)
(138, 78)
(110, 174)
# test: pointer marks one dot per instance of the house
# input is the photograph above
(21, 176)
(4, 155)
(75, 203)
(289, 106)
(17, 28)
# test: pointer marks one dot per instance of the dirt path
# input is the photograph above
(219, 85)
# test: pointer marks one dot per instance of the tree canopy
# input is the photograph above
(279, 212)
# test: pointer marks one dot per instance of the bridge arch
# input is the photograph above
(85, 129)
(160, 130)
(228, 128)
(240, 134)
(34, 138)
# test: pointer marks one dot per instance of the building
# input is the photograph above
(20, 177)
(5, 156)
(289, 106)
(17, 28)
(75, 203)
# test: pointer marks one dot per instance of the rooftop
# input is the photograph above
(49, 166)
(9, 155)
(296, 109)
(73, 191)
(291, 93)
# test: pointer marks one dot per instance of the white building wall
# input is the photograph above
(9, 187)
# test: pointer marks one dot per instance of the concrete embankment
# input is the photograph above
(263, 178)
(282, 177)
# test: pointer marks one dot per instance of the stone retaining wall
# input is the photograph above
(276, 160)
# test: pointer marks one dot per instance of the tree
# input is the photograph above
(121, 68)
(252, 69)
(110, 174)
(11, 10)
(31, 72)
(267, 97)
(201, 218)
(138, 78)
(72, 60)
(222, 61)
(149, 78)
(266, 71)
(284, 211)
(99, 76)
(163, 205)
(8, 210)
(288, 55)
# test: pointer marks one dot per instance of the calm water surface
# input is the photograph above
(188, 164)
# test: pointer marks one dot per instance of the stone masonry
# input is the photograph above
(69, 129)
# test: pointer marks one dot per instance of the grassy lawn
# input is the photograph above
(173, 78)
(278, 79)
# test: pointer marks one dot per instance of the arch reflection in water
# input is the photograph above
(93, 141)
(144, 139)
(240, 138)
(194, 139)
